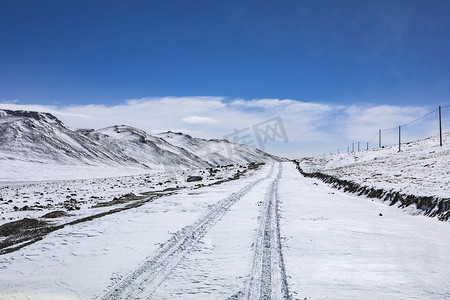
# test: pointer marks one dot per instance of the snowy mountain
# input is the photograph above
(145, 148)
(217, 152)
(40, 138)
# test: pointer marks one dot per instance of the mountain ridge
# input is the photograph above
(41, 137)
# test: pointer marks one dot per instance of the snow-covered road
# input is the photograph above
(273, 235)
(337, 246)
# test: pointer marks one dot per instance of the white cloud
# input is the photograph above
(312, 127)
(362, 120)
(199, 120)
(9, 101)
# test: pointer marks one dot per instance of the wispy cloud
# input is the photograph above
(199, 120)
(9, 101)
(312, 127)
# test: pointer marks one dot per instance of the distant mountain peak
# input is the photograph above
(176, 133)
(39, 116)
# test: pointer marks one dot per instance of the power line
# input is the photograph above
(375, 135)
(398, 127)
(384, 129)
(421, 117)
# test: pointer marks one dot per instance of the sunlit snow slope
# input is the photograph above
(421, 168)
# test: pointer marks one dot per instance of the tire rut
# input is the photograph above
(143, 281)
(268, 276)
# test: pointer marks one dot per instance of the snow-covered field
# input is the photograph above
(29, 211)
(16, 171)
(81, 196)
(271, 234)
(421, 168)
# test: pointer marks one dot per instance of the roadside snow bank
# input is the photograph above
(427, 205)
(419, 174)
(421, 168)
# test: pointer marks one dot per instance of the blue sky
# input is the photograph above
(63, 54)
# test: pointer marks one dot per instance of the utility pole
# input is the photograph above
(348, 149)
(367, 145)
(353, 147)
(358, 146)
(338, 151)
(399, 138)
(440, 127)
(379, 138)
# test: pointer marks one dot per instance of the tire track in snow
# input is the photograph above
(143, 281)
(268, 276)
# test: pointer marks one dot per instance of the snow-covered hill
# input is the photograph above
(37, 146)
(421, 168)
(217, 152)
(146, 149)
(41, 137)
